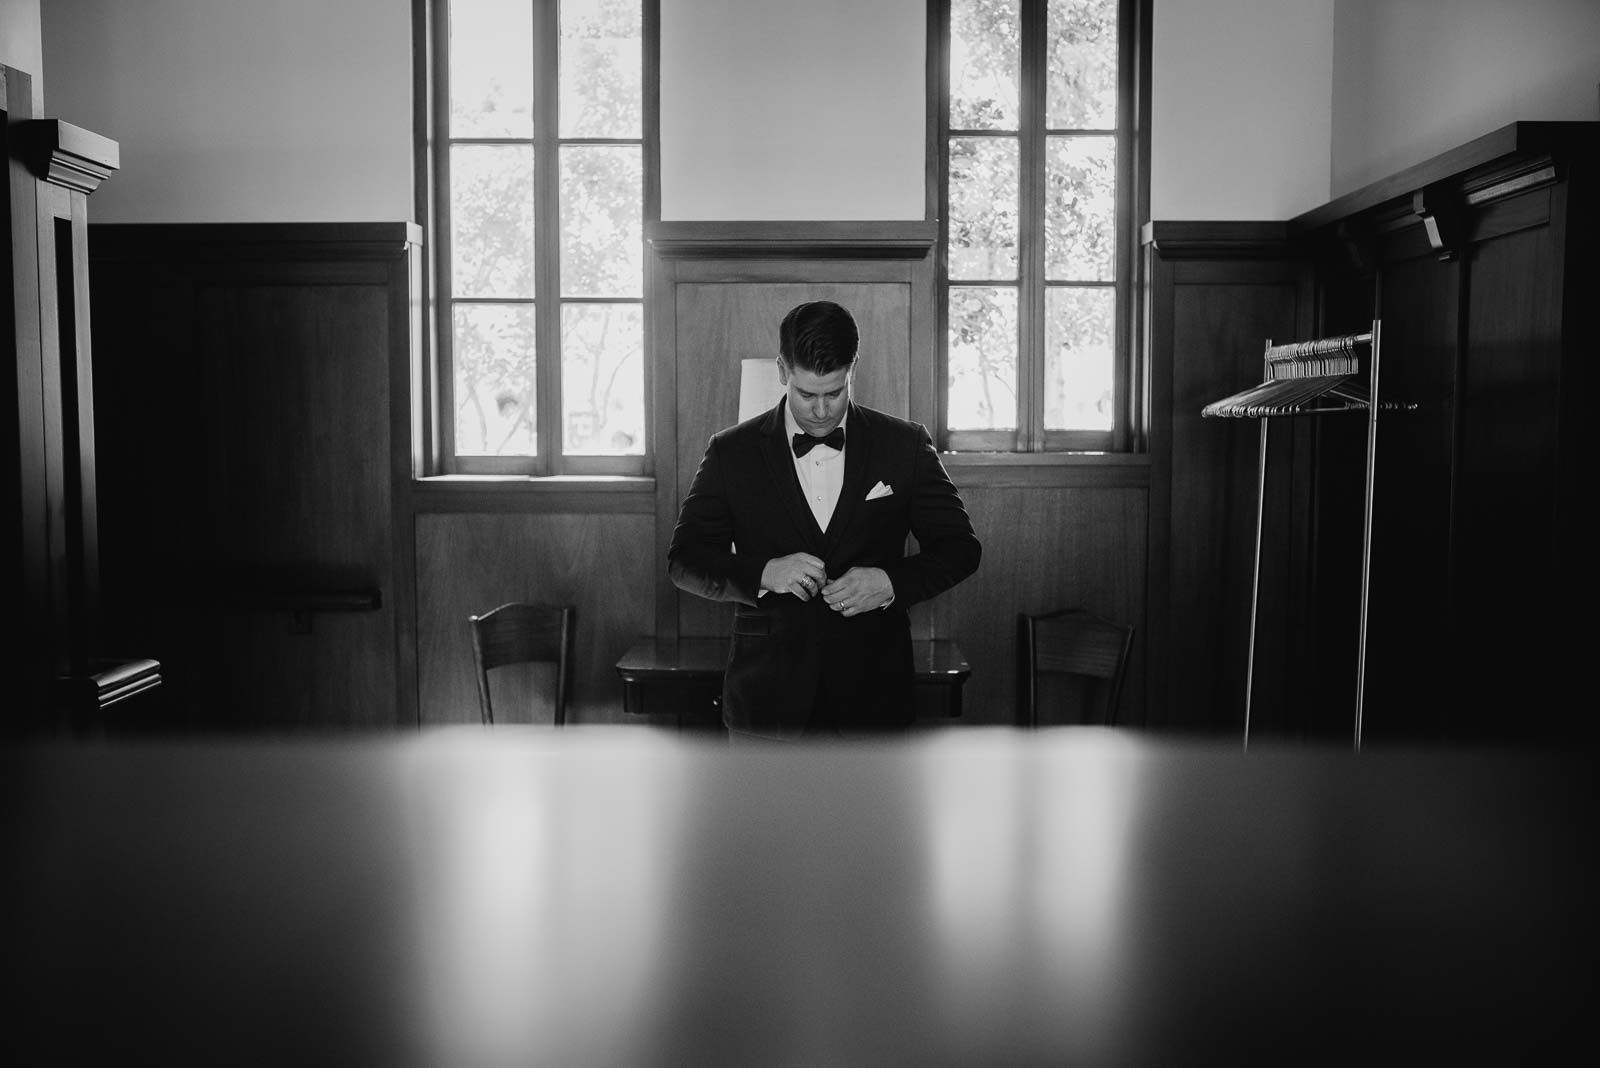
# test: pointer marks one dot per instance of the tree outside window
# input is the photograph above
(1034, 241)
(542, 180)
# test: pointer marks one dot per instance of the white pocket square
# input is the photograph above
(880, 490)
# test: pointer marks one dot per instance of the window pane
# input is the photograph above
(602, 379)
(983, 208)
(491, 68)
(493, 355)
(983, 359)
(601, 66)
(1081, 75)
(491, 221)
(985, 64)
(602, 235)
(1080, 236)
(1079, 331)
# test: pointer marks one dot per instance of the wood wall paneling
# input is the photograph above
(1409, 618)
(154, 508)
(469, 563)
(246, 385)
(1215, 302)
(1506, 503)
(1486, 329)
(1045, 548)
(300, 484)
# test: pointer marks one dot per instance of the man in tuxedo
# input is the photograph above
(800, 517)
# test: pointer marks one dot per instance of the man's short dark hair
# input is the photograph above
(818, 336)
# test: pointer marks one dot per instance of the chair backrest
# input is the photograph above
(1071, 658)
(522, 633)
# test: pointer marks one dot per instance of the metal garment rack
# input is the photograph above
(1317, 377)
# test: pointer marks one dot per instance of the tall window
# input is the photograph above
(1036, 192)
(540, 133)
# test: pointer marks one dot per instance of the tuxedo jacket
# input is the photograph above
(746, 507)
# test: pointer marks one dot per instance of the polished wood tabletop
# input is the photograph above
(624, 896)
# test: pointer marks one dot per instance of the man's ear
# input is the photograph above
(783, 371)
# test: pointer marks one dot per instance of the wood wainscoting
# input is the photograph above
(481, 545)
(267, 537)
(251, 406)
(1217, 291)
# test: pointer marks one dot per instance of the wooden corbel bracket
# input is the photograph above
(1439, 209)
(70, 156)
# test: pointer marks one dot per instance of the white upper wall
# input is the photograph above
(300, 110)
(236, 111)
(782, 110)
(21, 42)
(1414, 78)
(1240, 108)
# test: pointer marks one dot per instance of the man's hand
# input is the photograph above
(798, 573)
(861, 589)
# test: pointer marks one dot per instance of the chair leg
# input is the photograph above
(485, 709)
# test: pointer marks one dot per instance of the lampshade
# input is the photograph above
(759, 388)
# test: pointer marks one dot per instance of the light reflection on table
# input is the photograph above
(620, 896)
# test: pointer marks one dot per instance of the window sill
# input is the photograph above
(1045, 459)
(526, 493)
(1063, 470)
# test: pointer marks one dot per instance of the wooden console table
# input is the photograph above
(685, 674)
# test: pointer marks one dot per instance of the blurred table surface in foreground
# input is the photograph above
(621, 896)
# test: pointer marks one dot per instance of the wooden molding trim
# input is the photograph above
(69, 156)
(254, 242)
(1217, 240)
(1511, 160)
(873, 240)
(105, 683)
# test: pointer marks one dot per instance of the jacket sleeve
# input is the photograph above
(947, 547)
(701, 558)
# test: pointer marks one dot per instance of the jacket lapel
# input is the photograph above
(857, 462)
(780, 471)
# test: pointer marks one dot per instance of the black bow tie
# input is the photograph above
(804, 443)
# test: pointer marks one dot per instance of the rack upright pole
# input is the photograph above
(1366, 531)
(1255, 576)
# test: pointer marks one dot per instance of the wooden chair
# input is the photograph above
(522, 633)
(1072, 661)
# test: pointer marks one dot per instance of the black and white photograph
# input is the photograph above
(798, 532)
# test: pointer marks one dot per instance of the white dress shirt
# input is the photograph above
(821, 471)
